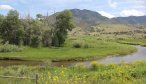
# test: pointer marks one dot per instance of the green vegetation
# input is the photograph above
(96, 74)
(63, 24)
(78, 47)
(9, 48)
(133, 41)
(11, 29)
(100, 49)
(35, 32)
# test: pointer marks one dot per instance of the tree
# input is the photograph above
(39, 16)
(1, 19)
(55, 41)
(47, 38)
(11, 28)
(20, 36)
(63, 24)
(33, 32)
(27, 24)
(36, 33)
(36, 39)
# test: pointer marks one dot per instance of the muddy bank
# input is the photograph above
(12, 61)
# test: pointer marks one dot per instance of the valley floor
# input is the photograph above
(90, 47)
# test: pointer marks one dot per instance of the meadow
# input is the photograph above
(98, 73)
(75, 49)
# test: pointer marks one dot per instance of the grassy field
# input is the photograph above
(98, 73)
(133, 41)
(91, 48)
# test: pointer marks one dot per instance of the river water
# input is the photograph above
(140, 55)
(137, 56)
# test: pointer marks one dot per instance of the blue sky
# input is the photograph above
(108, 8)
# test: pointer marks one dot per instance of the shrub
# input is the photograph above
(81, 44)
(22, 70)
(87, 45)
(77, 45)
(80, 67)
(96, 65)
(10, 48)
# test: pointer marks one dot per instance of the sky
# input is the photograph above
(108, 8)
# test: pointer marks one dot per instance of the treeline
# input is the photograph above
(35, 32)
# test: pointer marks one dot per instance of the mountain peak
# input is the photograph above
(86, 18)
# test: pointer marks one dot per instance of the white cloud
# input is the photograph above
(66, 1)
(6, 7)
(131, 12)
(135, 3)
(103, 13)
(112, 4)
(143, 2)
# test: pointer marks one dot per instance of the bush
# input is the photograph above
(87, 46)
(10, 48)
(81, 44)
(96, 66)
(77, 45)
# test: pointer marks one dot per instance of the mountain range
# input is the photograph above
(86, 18)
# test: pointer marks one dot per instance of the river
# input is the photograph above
(137, 56)
(140, 55)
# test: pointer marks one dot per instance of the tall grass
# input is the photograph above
(10, 48)
(82, 44)
(98, 73)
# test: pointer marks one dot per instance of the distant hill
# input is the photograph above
(87, 18)
(129, 20)
(83, 18)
